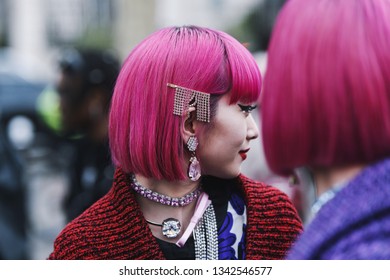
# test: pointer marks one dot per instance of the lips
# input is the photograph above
(243, 154)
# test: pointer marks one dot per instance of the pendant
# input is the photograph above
(171, 228)
(194, 169)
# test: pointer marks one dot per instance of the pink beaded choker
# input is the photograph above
(161, 198)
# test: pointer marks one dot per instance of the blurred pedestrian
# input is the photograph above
(180, 128)
(326, 108)
(85, 84)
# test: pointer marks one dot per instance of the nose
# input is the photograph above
(253, 130)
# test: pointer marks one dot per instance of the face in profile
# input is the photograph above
(225, 144)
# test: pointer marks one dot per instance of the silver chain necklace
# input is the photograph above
(206, 236)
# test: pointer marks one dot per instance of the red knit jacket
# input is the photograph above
(114, 227)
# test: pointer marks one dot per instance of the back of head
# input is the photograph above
(326, 99)
(85, 85)
(95, 68)
(144, 133)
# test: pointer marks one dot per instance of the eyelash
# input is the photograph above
(247, 108)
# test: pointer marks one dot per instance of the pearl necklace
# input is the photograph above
(162, 198)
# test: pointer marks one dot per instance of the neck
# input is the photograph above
(157, 212)
(172, 189)
(326, 178)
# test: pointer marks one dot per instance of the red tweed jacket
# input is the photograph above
(114, 227)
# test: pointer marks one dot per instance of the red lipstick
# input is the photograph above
(243, 154)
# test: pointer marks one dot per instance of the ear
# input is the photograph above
(189, 124)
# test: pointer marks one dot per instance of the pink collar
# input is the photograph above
(201, 206)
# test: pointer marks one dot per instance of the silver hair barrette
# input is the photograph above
(183, 97)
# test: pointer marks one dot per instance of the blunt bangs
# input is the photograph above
(326, 98)
(145, 135)
(245, 74)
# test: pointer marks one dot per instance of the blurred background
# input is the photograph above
(33, 175)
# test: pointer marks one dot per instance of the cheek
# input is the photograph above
(234, 135)
(227, 134)
(221, 146)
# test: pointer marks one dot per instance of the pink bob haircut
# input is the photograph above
(145, 135)
(326, 94)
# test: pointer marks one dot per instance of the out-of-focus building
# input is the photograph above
(219, 14)
(36, 28)
(134, 20)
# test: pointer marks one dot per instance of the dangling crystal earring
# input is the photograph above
(194, 167)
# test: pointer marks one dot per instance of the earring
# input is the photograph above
(194, 167)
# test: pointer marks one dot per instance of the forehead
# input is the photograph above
(225, 102)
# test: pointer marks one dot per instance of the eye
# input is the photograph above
(247, 108)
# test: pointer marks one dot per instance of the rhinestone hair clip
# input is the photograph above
(164, 199)
(183, 97)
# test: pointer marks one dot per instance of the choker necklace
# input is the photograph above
(170, 227)
(164, 199)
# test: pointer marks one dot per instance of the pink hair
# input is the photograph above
(144, 133)
(326, 98)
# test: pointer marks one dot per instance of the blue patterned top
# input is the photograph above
(231, 236)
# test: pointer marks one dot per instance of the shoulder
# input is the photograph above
(102, 229)
(268, 201)
(273, 222)
(360, 230)
(366, 239)
(266, 193)
(80, 237)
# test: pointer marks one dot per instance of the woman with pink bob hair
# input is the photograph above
(180, 127)
(325, 109)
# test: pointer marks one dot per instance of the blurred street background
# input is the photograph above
(33, 181)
